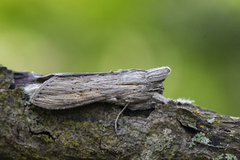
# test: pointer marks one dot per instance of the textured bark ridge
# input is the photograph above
(170, 131)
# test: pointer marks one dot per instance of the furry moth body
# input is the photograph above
(141, 89)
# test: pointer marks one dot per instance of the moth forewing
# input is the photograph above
(62, 92)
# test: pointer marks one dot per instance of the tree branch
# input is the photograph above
(171, 131)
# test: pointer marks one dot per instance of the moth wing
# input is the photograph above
(68, 92)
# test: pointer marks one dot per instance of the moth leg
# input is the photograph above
(118, 117)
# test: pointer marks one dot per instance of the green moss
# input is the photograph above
(46, 138)
(171, 152)
(69, 123)
(17, 93)
(15, 105)
(25, 156)
(3, 96)
(24, 116)
(2, 76)
(5, 84)
(76, 144)
(67, 135)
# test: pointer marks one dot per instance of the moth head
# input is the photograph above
(31, 88)
(158, 74)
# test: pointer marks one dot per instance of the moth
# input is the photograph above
(141, 89)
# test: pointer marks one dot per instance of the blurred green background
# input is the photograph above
(198, 40)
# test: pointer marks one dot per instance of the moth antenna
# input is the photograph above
(35, 93)
(118, 117)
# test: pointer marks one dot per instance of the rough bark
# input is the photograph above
(172, 131)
